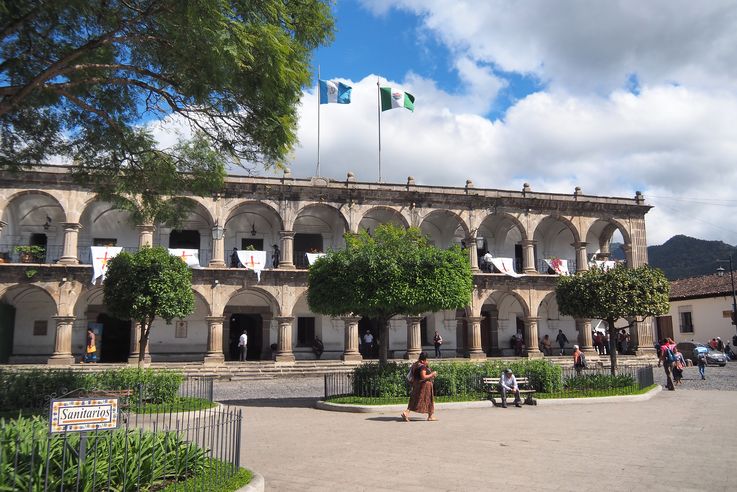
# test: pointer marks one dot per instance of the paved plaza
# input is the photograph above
(678, 440)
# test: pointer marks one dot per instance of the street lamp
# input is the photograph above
(720, 273)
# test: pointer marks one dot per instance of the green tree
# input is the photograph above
(621, 292)
(394, 271)
(147, 284)
(82, 79)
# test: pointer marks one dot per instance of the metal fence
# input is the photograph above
(187, 445)
(571, 384)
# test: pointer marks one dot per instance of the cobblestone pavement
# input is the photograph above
(646, 445)
(717, 378)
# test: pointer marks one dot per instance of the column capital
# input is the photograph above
(215, 319)
(64, 319)
(531, 319)
(74, 226)
(413, 319)
(2, 224)
(287, 234)
(579, 244)
(528, 242)
(146, 227)
(350, 319)
(474, 319)
(583, 320)
(284, 319)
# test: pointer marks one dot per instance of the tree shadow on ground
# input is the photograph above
(388, 418)
(301, 402)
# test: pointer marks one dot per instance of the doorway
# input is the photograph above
(184, 239)
(7, 327)
(366, 325)
(115, 340)
(305, 243)
(253, 324)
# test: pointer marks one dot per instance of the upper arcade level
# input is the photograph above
(45, 208)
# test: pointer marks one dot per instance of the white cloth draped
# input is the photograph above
(605, 265)
(313, 257)
(506, 266)
(189, 256)
(100, 256)
(253, 260)
(558, 266)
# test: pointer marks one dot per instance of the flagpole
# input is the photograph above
(378, 115)
(318, 121)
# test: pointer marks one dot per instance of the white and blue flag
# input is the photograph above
(332, 91)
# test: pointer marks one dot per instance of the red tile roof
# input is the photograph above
(705, 286)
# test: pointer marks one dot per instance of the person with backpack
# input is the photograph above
(579, 360)
(668, 358)
(701, 362)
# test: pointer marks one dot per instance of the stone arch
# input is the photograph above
(498, 296)
(382, 214)
(253, 222)
(502, 235)
(444, 227)
(261, 294)
(600, 233)
(34, 329)
(102, 225)
(12, 198)
(317, 227)
(34, 217)
(308, 209)
(555, 237)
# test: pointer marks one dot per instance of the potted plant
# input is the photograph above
(30, 254)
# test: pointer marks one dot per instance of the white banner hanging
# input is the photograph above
(100, 256)
(189, 256)
(506, 266)
(558, 266)
(253, 260)
(313, 257)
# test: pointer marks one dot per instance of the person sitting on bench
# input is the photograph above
(508, 383)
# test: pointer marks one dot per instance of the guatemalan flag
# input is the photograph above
(332, 91)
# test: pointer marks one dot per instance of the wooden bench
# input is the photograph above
(491, 386)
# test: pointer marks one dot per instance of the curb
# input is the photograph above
(257, 484)
(339, 407)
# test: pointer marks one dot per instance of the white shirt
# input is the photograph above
(368, 338)
(243, 340)
(509, 383)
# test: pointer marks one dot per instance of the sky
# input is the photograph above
(614, 96)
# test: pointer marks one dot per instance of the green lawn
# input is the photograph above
(241, 478)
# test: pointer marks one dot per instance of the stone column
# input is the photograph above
(641, 338)
(62, 355)
(582, 261)
(135, 345)
(585, 340)
(71, 233)
(528, 257)
(284, 343)
(218, 253)
(414, 343)
(350, 347)
(473, 254)
(266, 337)
(145, 235)
(531, 337)
(474, 349)
(628, 255)
(2, 225)
(215, 354)
(287, 250)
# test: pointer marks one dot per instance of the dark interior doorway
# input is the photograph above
(305, 243)
(115, 340)
(253, 324)
(184, 239)
(368, 351)
(7, 329)
(518, 261)
(257, 244)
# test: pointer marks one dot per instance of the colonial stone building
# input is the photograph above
(47, 305)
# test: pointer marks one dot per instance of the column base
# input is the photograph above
(650, 351)
(287, 266)
(133, 359)
(68, 260)
(351, 357)
(289, 358)
(413, 355)
(214, 359)
(530, 271)
(216, 264)
(476, 354)
(534, 354)
(61, 360)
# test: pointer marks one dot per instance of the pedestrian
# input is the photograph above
(713, 344)
(234, 262)
(701, 362)
(243, 345)
(547, 345)
(678, 366)
(90, 354)
(579, 360)
(657, 346)
(668, 358)
(625, 342)
(317, 347)
(519, 344)
(368, 343)
(720, 344)
(562, 340)
(507, 384)
(437, 341)
(275, 254)
(422, 398)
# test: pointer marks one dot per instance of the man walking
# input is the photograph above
(243, 345)
(562, 340)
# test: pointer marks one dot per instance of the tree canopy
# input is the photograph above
(148, 284)
(621, 292)
(83, 79)
(391, 272)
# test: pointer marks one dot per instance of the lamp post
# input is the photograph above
(720, 272)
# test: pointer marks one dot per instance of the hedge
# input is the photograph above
(32, 389)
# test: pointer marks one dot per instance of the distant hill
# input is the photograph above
(683, 256)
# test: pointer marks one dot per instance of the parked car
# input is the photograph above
(716, 358)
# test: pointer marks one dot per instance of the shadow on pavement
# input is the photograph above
(303, 402)
(387, 419)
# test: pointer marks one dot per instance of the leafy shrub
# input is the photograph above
(599, 381)
(454, 378)
(33, 389)
(124, 457)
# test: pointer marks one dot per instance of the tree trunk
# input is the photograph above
(612, 346)
(384, 339)
(145, 329)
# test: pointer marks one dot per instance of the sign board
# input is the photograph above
(84, 414)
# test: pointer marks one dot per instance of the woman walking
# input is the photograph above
(422, 398)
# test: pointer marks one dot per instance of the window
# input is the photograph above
(40, 328)
(305, 332)
(104, 241)
(686, 322)
(180, 331)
